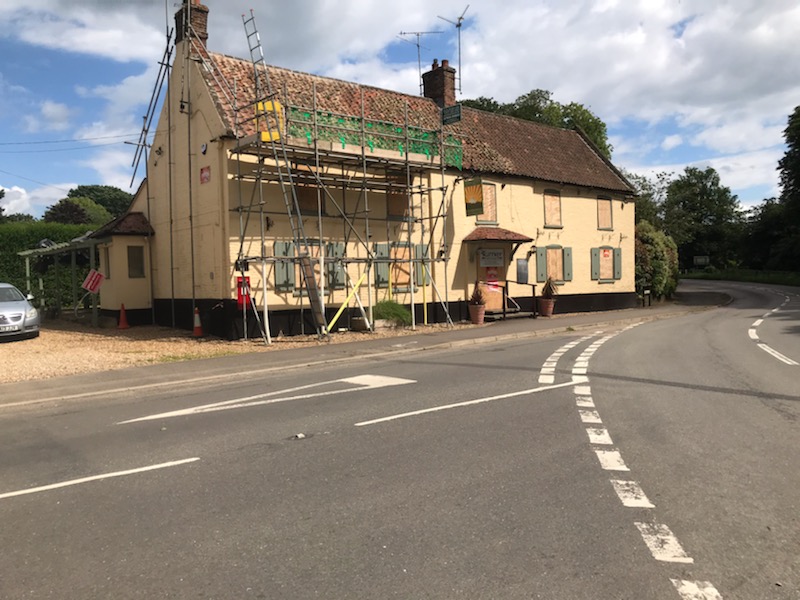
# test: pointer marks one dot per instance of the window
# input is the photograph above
(397, 198)
(107, 262)
(135, 262)
(398, 273)
(604, 220)
(555, 262)
(552, 208)
(606, 264)
(307, 199)
(489, 214)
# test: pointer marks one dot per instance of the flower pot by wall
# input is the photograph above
(477, 313)
(545, 306)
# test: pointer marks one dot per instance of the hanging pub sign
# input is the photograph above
(473, 196)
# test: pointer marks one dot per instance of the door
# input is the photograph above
(492, 270)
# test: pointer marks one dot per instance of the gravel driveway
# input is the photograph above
(68, 348)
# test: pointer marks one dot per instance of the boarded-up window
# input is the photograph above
(400, 271)
(552, 208)
(606, 264)
(604, 220)
(135, 262)
(307, 199)
(489, 214)
(397, 198)
(555, 262)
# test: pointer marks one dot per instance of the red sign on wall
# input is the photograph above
(242, 294)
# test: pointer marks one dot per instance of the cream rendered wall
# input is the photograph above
(168, 210)
(120, 289)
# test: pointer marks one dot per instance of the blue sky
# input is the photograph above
(678, 82)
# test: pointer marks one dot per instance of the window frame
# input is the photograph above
(132, 272)
(481, 219)
(602, 199)
(552, 192)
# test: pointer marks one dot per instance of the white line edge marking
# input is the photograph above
(610, 460)
(663, 544)
(753, 335)
(757, 323)
(599, 435)
(63, 484)
(590, 416)
(778, 355)
(696, 590)
(367, 382)
(424, 411)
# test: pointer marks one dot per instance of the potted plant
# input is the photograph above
(547, 299)
(477, 304)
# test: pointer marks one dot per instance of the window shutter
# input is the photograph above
(382, 268)
(567, 264)
(595, 264)
(420, 274)
(541, 265)
(284, 270)
(617, 263)
(335, 273)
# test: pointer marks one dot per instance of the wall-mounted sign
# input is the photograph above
(491, 258)
(93, 281)
(473, 196)
(205, 174)
(242, 292)
(522, 270)
(451, 114)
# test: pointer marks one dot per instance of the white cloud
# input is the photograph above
(36, 201)
(672, 141)
(53, 116)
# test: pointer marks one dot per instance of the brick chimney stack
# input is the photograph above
(439, 83)
(199, 21)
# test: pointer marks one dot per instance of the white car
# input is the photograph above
(18, 317)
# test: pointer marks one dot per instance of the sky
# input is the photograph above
(678, 82)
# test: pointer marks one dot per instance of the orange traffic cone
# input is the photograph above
(198, 328)
(123, 320)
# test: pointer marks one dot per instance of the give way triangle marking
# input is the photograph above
(358, 383)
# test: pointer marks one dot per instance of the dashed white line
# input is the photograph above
(62, 484)
(696, 590)
(631, 494)
(610, 460)
(663, 544)
(778, 355)
(590, 416)
(599, 435)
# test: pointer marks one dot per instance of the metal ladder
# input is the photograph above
(266, 111)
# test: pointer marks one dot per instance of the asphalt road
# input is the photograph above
(652, 461)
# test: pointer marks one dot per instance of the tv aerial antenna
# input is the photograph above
(458, 23)
(418, 45)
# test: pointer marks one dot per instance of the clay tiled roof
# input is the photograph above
(495, 234)
(492, 143)
(134, 223)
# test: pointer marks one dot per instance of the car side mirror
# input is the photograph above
(29, 297)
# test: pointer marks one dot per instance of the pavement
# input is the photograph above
(199, 373)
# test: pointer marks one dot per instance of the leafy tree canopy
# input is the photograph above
(113, 199)
(789, 167)
(67, 212)
(538, 105)
(97, 214)
(703, 217)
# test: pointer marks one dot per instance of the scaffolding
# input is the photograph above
(300, 148)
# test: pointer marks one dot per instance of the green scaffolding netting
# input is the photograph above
(348, 130)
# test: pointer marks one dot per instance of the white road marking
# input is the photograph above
(757, 323)
(753, 335)
(583, 390)
(778, 355)
(631, 494)
(611, 460)
(547, 379)
(584, 401)
(62, 484)
(590, 416)
(696, 590)
(424, 411)
(364, 382)
(547, 373)
(663, 544)
(599, 435)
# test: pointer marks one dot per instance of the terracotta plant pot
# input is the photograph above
(546, 306)
(477, 313)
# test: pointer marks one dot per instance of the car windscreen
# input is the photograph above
(10, 295)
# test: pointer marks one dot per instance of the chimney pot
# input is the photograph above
(445, 63)
(435, 64)
(439, 84)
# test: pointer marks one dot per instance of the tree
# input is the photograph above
(539, 106)
(656, 261)
(789, 167)
(113, 199)
(2, 210)
(97, 214)
(67, 212)
(650, 196)
(703, 218)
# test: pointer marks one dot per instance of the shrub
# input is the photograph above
(390, 310)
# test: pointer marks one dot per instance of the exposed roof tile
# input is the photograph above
(495, 234)
(134, 223)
